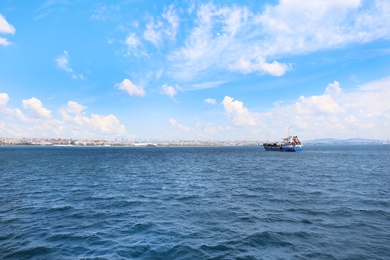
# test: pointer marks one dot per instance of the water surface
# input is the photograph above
(327, 202)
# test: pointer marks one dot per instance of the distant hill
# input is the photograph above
(343, 141)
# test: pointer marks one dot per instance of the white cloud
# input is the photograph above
(237, 113)
(74, 107)
(39, 122)
(324, 104)
(4, 41)
(162, 27)
(350, 119)
(171, 16)
(36, 109)
(152, 34)
(169, 90)
(107, 124)
(371, 99)
(334, 89)
(5, 28)
(336, 113)
(63, 63)
(9, 112)
(133, 44)
(178, 126)
(130, 88)
(238, 39)
(299, 27)
(3, 100)
(198, 46)
(244, 65)
(235, 19)
(210, 101)
(49, 7)
(206, 84)
(225, 38)
(95, 126)
(222, 38)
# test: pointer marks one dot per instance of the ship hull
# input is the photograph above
(282, 149)
(291, 149)
(273, 148)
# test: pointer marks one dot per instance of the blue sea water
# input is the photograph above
(327, 202)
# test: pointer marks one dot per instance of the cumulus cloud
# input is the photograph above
(210, 101)
(5, 28)
(94, 126)
(237, 113)
(35, 108)
(130, 88)
(9, 112)
(323, 104)
(3, 100)
(37, 121)
(74, 107)
(334, 89)
(336, 113)
(107, 124)
(63, 63)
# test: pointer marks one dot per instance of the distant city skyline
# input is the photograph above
(195, 70)
(167, 143)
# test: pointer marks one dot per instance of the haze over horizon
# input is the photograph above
(195, 70)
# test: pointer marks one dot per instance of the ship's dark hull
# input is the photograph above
(279, 148)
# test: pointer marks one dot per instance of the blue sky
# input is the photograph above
(195, 70)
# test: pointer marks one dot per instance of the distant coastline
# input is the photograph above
(346, 141)
(141, 143)
(162, 143)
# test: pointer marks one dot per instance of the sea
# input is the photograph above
(326, 202)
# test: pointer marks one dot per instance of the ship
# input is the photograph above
(288, 144)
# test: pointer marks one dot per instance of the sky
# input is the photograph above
(195, 70)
